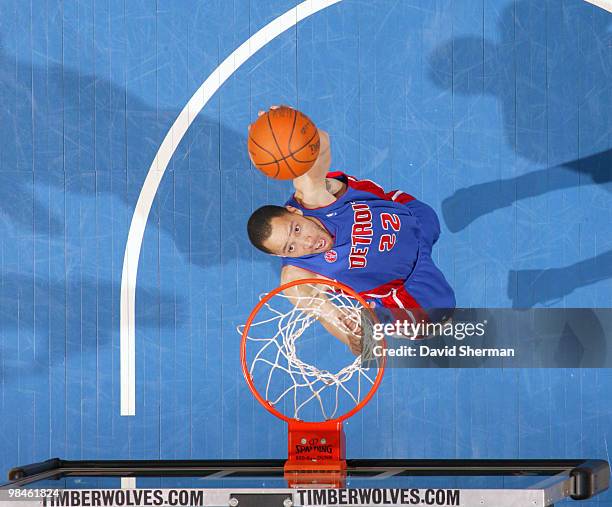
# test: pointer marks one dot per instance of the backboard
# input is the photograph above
(258, 483)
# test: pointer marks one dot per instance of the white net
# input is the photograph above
(308, 371)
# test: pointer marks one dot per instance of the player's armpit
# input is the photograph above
(334, 186)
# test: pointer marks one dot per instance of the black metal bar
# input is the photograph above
(585, 470)
(34, 468)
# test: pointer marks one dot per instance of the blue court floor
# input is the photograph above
(497, 113)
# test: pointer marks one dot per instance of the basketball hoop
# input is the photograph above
(305, 375)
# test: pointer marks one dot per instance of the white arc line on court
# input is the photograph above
(604, 4)
(200, 98)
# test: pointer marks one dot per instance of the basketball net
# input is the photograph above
(312, 399)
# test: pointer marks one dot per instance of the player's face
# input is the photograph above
(294, 235)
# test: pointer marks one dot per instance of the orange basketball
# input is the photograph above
(283, 143)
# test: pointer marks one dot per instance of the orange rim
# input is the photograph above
(243, 345)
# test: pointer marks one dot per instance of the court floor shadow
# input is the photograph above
(473, 66)
(470, 203)
(530, 287)
(51, 191)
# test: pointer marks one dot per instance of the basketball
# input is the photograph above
(283, 143)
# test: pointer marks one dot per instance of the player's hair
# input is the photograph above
(260, 225)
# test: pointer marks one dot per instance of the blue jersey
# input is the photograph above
(381, 241)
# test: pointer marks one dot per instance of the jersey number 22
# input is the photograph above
(388, 221)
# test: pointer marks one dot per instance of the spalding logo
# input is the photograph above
(331, 256)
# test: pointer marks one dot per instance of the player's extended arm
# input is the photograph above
(341, 324)
(312, 189)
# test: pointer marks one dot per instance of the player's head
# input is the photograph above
(287, 232)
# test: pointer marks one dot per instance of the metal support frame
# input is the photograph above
(579, 479)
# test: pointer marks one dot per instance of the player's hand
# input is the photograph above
(354, 333)
(260, 113)
(355, 344)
